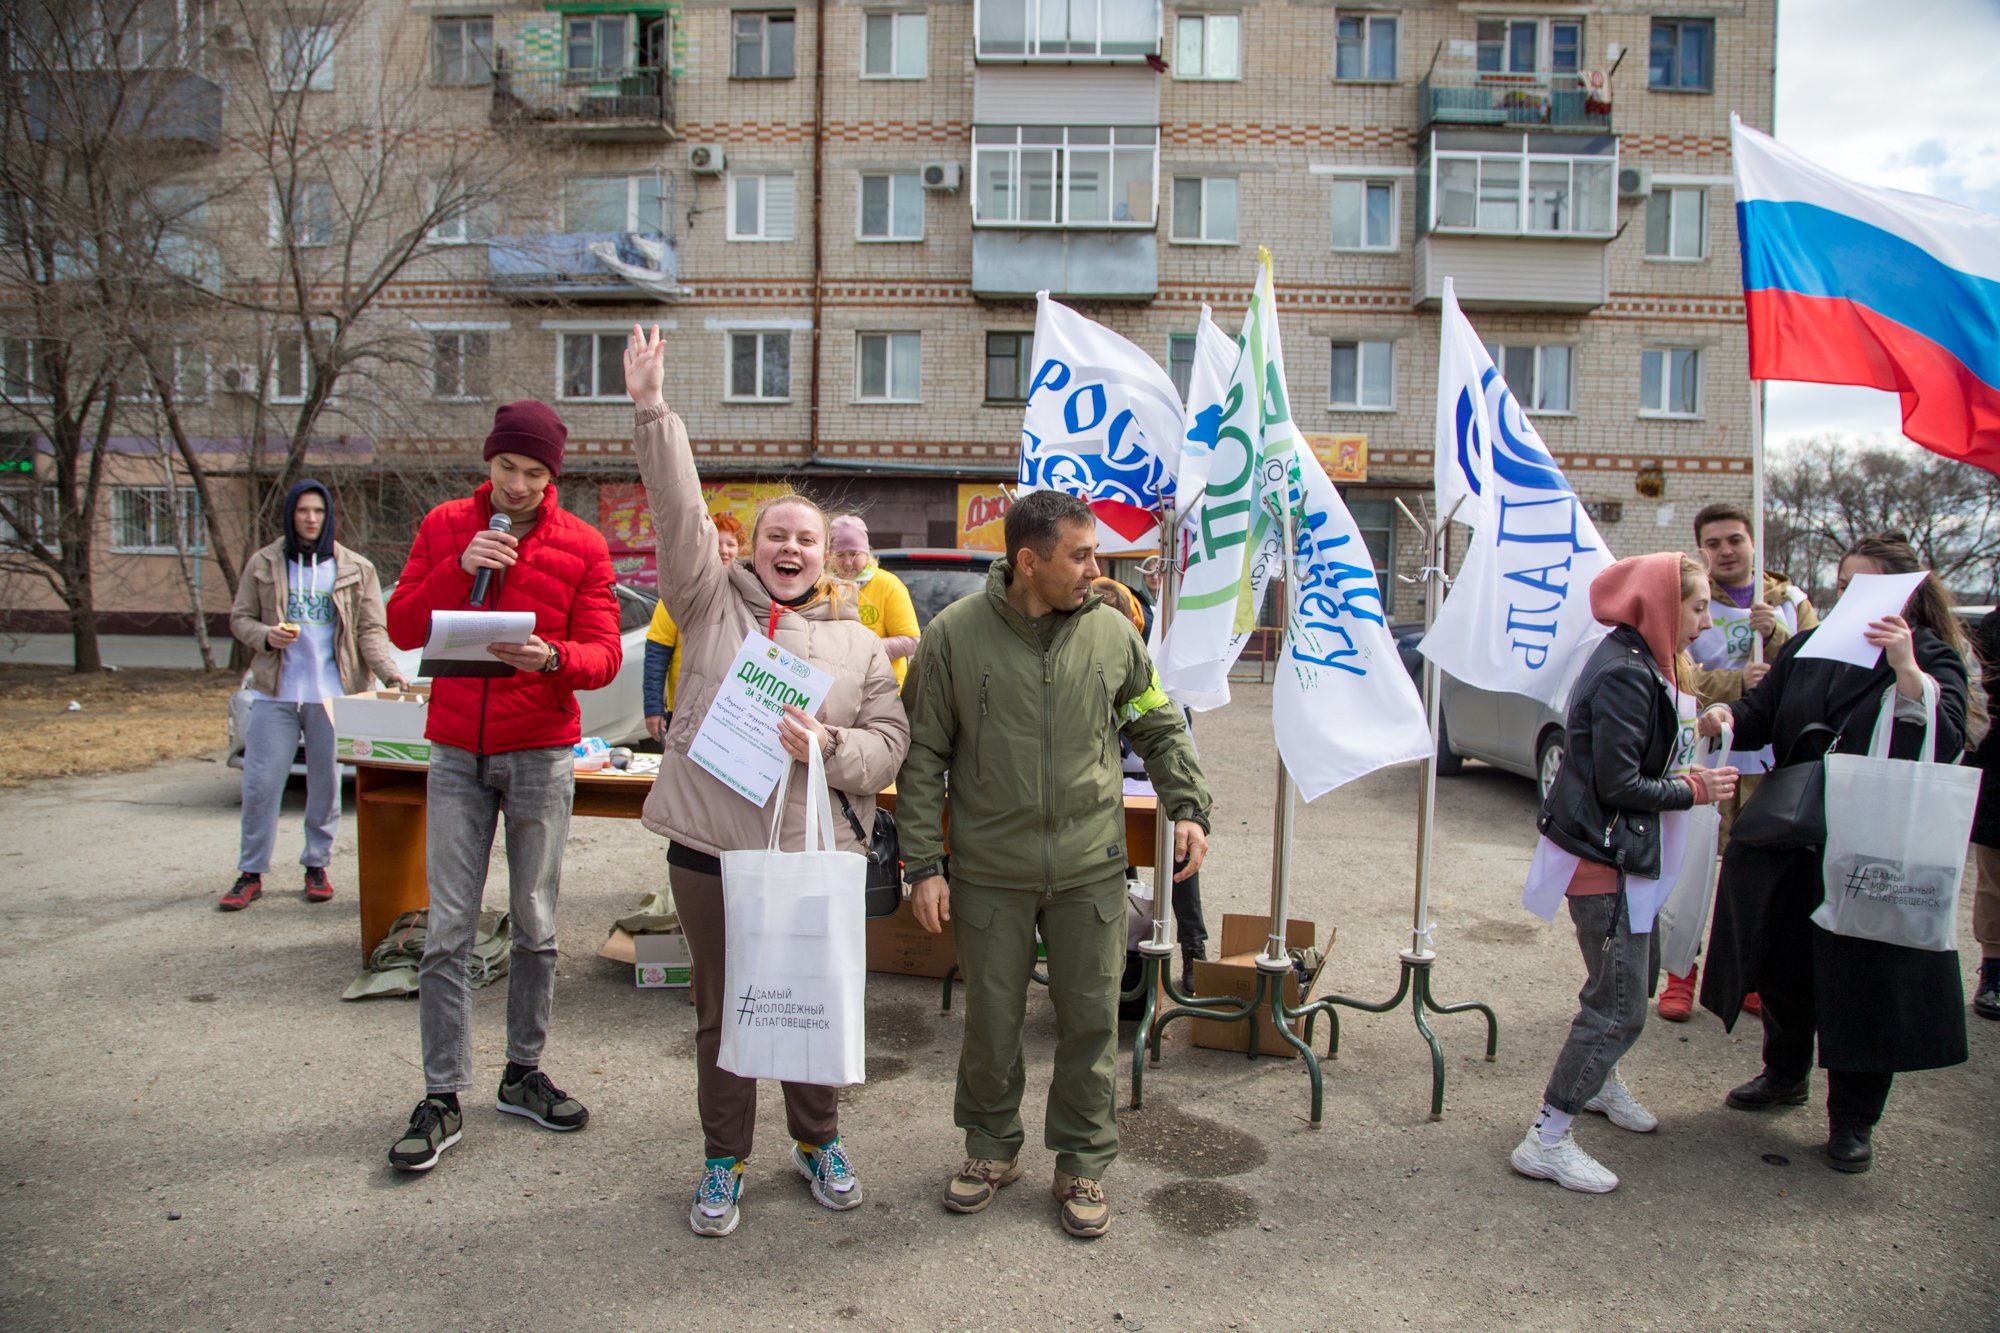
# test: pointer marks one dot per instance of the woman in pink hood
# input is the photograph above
(1631, 738)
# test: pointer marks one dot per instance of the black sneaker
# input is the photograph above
(433, 1128)
(542, 1102)
(1986, 1000)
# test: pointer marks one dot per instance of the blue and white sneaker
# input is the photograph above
(830, 1172)
(715, 1212)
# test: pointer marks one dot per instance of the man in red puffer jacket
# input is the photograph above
(502, 743)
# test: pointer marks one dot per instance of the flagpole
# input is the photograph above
(1276, 957)
(1161, 940)
(1427, 779)
(1756, 508)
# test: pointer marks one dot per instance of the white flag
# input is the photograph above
(1517, 619)
(1103, 423)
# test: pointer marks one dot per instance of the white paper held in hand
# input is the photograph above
(462, 636)
(738, 738)
(1868, 598)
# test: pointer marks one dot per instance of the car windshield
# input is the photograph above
(935, 585)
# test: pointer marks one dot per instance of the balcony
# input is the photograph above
(1514, 101)
(634, 104)
(1076, 265)
(1524, 273)
(163, 108)
(583, 266)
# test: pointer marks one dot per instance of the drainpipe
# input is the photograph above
(819, 231)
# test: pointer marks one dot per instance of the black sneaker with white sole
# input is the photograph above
(433, 1128)
(542, 1102)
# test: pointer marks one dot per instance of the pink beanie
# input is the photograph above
(849, 533)
(530, 429)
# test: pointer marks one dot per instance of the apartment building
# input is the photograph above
(840, 214)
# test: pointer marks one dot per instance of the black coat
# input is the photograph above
(1879, 1008)
(1604, 805)
(1986, 821)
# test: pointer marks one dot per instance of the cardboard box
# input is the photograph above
(382, 727)
(659, 960)
(898, 944)
(1235, 973)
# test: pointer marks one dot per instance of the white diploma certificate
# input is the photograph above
(738, 739)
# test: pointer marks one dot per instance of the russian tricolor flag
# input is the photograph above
(1853, 284)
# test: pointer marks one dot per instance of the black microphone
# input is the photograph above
(482, 582)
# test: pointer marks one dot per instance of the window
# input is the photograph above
(462, 51)
(305, 59)
(1538, 376)
(1046, 29)
(1364, 375)
(190, 374)
(460, 221)
(1365, 48)
(1377, 521)
(593, 365)
(1010, 366)
(459, 363)
(614, 203)
(1049, 175)
(307, 219)
(27, 515)
(155, 520)
(1677, 223)
(892, 208)
(595, 46)
(1670, 382)
(1552, 185)
(1683, 56)
(889, 366)
(893, 46)
(1208, 46)
(292, 370)
(22, 377)
(760, 366)
(761, 207)
(763, 46)
(1205, 209)
(1180, 361)
(1364, 215)
(1530, 46)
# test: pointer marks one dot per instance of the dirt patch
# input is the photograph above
(1193, 1145)
(128, 719)
(1201, 1207)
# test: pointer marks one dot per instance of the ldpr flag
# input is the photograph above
(1517, 619)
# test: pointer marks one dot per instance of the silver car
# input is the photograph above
(615, 712)
(1509, 731)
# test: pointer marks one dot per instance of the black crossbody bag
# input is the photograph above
(1787, 812)
(885, 859)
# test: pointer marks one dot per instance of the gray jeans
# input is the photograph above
(1612, 1004)
(269, 741)
(465, 795)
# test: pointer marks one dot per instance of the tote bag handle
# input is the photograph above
(819, 806)
(1885, 724)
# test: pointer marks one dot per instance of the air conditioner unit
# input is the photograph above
(239, 379)
(940, 175)
(707, 159)
(226, 36)
(1634, 182)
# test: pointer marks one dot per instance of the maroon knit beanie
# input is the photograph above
(530, 429)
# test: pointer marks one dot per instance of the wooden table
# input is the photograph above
(389, 804)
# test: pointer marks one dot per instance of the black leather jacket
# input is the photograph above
(1621, 734)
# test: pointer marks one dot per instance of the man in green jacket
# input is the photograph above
(1020, 693)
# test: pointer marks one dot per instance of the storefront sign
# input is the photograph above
(982, 514)
(1345, 457)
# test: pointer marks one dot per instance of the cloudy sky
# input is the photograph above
(1903, 95)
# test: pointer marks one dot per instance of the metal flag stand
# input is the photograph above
(1418, 958)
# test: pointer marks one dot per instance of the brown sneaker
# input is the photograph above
(978, 1181)
(1084, 1210)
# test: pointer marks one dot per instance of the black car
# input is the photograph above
(937, 576)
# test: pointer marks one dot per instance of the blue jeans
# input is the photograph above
(269, 742)
(466, 793)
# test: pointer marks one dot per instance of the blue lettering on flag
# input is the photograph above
(1536, 525)
(1093, 460)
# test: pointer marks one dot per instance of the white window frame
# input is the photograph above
(1205, 27)
(1681, 85)
(1545, 41)
(191, 369)
(1204, 185)
(891, 391)
(302, 211)
(185, 504)
(987, 141)
(895, 178)
(1369, 23)
(304, 54)
(1657, 389)
(1363, 357)
(763, 179)
(21, 362)
(1529, 396)
(1365, 184)
(464, 340)
(763, 335)
(469, 51)
(1523, 164)
(37, 499)
(276, 390)
(907, 30)
(1676, 203)
(466, 226)
(636, 201)
(763, 18)
(1036, 47)
(600, 392)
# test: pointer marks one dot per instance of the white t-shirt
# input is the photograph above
(309, 673)
(1727, 647)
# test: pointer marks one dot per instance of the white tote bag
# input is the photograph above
(1683, 920)
(1896, 835)
(796, 952)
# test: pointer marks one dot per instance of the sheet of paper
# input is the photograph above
(462, 636)
(738, 739)
(1868, 598)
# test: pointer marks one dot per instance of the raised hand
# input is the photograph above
(645, 366)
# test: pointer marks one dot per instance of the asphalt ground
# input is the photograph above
(200, 1126)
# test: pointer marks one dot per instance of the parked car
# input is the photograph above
(1509, 731)
(937, 576)
(616, 712)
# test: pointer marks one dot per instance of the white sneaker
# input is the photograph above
(1565, 1163)
(1614, 1099)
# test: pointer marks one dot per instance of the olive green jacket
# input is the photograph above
(1025, 716)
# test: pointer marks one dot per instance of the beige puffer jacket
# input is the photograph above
(715, 608)
(361, 637)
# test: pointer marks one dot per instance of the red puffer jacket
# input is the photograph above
(563, 575)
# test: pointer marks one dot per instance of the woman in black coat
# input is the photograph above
(1986, 836)
(1876, 1009)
